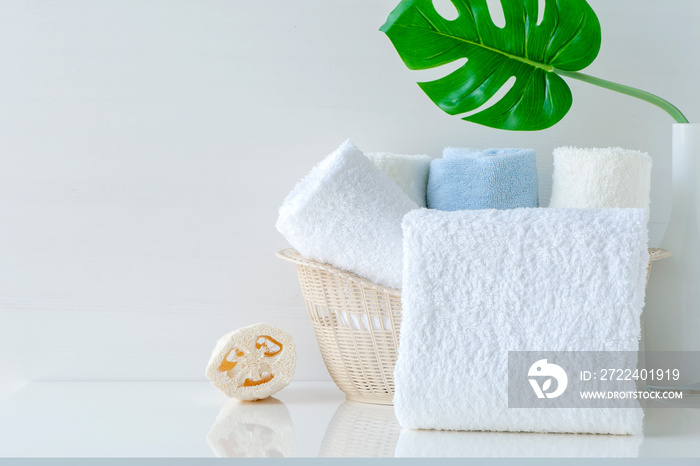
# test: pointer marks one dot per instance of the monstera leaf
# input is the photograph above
(566, 40)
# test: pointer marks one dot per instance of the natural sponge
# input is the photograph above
(253, 362)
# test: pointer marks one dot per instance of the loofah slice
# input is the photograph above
(253, 362)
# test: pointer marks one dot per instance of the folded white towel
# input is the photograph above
(410, 172)
(430, 444)
(600, 178)
(347, 213)
(480, 283)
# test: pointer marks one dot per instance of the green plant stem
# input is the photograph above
(631, 91)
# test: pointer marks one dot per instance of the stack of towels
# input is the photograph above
(347, 212)
(483, 271)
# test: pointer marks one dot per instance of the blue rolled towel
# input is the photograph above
(467, 179)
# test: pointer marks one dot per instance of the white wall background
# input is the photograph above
(145, 146)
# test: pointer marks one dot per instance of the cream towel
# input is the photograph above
(600, 178)
(410, 172)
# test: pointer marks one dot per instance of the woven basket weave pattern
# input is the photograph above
(357, 324)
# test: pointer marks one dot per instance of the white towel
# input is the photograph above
(480, 283)
(600, 178)
(410, 172)
(430, 444)
(347, 213)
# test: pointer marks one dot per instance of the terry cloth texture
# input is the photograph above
(432, 444)
(347, 213)
(478, 284)
(600, 178)
(410, 172)
(466, 179)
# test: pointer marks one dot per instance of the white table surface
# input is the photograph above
(191, 419)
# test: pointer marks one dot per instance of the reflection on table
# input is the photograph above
(253, 429)
(330, 427)
(364, 430)
(361, 430)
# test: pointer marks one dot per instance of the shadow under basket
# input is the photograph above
(356, 323)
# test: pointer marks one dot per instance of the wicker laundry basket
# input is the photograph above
(357, 323)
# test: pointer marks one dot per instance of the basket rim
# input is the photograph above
(292, 255)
